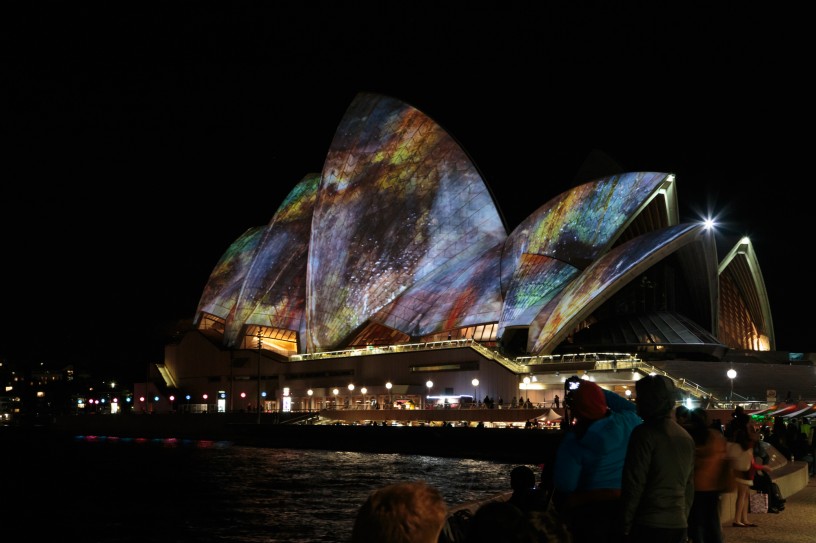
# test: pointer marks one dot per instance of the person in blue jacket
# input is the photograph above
(589, 463)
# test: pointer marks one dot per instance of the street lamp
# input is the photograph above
(336, 392)
(351, 396)
(364, 391)
(310, 392)
(475, 384)
(429, 384)
(388, 385)
(731, 375)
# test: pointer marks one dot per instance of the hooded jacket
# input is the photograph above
(594, 461)
(658, 472)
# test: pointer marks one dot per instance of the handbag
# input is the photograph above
(758, 503)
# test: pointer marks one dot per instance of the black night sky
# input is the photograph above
(141, 140)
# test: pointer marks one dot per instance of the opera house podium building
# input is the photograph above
(389, 280)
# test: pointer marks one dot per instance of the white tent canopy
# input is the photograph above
(549, 416)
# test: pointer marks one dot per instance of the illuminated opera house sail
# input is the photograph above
(398, 241)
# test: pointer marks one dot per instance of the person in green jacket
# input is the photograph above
(658, 472)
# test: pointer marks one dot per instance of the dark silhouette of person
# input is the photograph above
(523, 483)
(800, 449)
(739, 420)
(499, 521)
(658, 473)
(710, 458)
(681, 415)
(778, 438)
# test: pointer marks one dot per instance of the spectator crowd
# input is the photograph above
(624, 472)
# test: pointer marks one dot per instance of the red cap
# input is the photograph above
(589, 401)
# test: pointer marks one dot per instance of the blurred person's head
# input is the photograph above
(697, 425)
(410, 512)
(655, 396)
(522, 478)
(681, 414)
(746, 437)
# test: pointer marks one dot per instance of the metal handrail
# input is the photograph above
(520, 365)
(383, 349)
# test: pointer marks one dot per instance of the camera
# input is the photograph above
(570, 386)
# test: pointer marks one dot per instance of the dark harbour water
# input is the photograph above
(129, 490)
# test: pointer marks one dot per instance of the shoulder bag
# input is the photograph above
(758, 503)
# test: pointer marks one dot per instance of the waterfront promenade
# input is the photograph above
(523, 446)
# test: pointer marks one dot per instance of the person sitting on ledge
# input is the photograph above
(525, 494)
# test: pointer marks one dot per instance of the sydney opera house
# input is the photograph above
(390, 278)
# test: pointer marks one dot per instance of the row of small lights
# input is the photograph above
(388, 385)
(310, 392)
(364, 390)
(475, 382)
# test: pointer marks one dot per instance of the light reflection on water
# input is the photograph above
(128, 490)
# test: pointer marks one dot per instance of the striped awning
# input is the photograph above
(783, 410)
(799, 412)
(764, 412)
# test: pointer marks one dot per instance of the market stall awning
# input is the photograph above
(783, 410)
(765, 412)
(799, 412)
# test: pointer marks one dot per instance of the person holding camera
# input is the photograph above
(589, 462)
